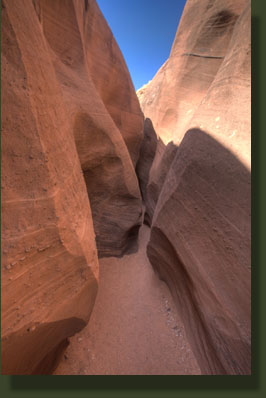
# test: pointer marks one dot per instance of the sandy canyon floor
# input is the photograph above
(134, 328)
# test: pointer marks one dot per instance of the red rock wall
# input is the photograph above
(49, 263)
(112, 80)
(59, 128)
(200, 236)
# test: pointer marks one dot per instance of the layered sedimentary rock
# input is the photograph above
(200, 236)
(59, 127)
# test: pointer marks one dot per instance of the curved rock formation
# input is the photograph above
(105, 116)
(48, 240)
(200, 244)
(200, 237)
(59, 127)
(111, 78)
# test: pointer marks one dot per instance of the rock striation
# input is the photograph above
(68, 157)
(199, 103)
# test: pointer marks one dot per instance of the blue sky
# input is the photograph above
(144, 31)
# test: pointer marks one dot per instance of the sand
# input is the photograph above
(134, 327)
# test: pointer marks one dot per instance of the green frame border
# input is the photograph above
(253, 386)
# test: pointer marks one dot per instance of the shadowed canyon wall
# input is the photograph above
(198, 195)
(69, 147)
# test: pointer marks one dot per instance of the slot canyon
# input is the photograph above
(125, 214)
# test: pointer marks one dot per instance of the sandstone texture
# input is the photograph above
(199, 103)
(62, 139)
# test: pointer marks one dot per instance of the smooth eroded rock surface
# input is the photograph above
(200, 244)
(49, 263)
(112, 80)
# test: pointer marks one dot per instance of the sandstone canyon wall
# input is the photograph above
(69, 147)
(104, 113)
(198, 198)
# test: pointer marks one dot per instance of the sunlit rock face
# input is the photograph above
(199, 49)
(62, 139)
(199, 102)
(111, 78)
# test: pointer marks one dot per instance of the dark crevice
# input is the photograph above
(86, 5)
(223, 18)
(203, 56)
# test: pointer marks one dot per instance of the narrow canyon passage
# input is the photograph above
(83, 153)
(134, 328)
